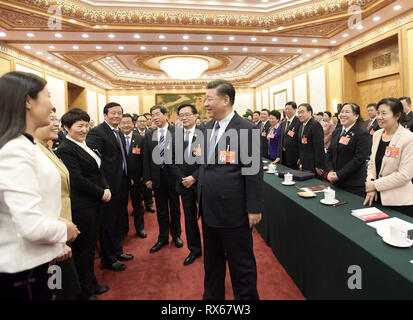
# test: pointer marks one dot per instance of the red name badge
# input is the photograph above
(392, 152)
(372, 131)
(304, 140)
(227, 156)
(344, 140)
(271, 136)
(291, 133)
(136, 150)
(264, 134)
(197, 152)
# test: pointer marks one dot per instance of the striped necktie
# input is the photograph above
(162, 144)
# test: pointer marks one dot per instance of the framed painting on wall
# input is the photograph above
(173, 100)
(280, 99)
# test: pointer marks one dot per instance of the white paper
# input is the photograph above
(308, 190)
(360, 212)
(386, 222)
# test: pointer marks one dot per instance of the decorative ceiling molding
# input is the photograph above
(98, 17)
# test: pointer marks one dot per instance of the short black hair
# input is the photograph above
(268, 111)
(257, 112)
(328, 113)
(223, 88)
(292, 104)
(74, 115)
(372, 105)
(188, 105)
(307, 106)
(321, 113)
(396, 107)
(275, 113)
(127, 115)
(355, 108)
(111, 105)
(161, 108)
(408, 100)
(54, 109)
(146, 114)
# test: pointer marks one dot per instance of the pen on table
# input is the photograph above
(340, 203)
(298, 188)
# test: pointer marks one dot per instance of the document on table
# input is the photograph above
(387, 222)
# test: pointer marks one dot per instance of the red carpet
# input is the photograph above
(162, 275)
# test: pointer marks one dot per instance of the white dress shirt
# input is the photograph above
(165, 131)
(223, 124)
(84, 146)
(30, 204)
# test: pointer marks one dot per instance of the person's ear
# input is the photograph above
(29, 103)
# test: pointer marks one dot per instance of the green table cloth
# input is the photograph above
(318, 245)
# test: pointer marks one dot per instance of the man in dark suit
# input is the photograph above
(229, 196)
(108, 141)
(310, 141)
(142, 129)
(134, 149)
(256, 118)
(288, 144)
(264, 126)
(407, 108)
(371, 125)
(186, 173)
(158, 176)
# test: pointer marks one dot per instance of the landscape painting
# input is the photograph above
(173, 101)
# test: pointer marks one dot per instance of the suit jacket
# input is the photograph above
(224, 194)
(264, 141)
(349, 161)
(87, 182)
(102, 140)
(409, 122)
(312, 153)
(135, 157)
(185, 169)
(395, 177)
(152, 170)
(66, 210)
(373, 128)
(288, 143)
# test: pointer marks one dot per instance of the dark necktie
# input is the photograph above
(343, 133)
(125, 165)
(186, 142)
(287, 126)
(213, 141)
(302, 130)
(127, 144)
(162, 144)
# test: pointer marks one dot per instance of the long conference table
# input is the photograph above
(329, 253)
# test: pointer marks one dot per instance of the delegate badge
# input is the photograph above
(227, 157)
(304, 140)
(136, 150)
(344, 140)
(392, 152)
(291, 133)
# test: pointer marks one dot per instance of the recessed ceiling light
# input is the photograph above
(376, 18)
(39, 53)
(231, 38)
(206, 48)
(85, 35)
(244, 49)
(58, 62)
(52, 47)
(161, 36)
(27, 47)
(164, 48)
(121, 47)
(75, 47)
(30, 35)
(360, 27)
(274, 39)
(280, 28)
(316, 51)
(2, 34)
(185, 37)
(72, 69)
(143, 48)
(185, 48)
(282, 50)
(98, 47)
(49, 58)
(263, 49)
(398, 7)
(137, 36)
(333, 41)
(301, 59)
(58, 35)
(314, 41)
(253, 39)
(295, 40)
(112, 36)
(65, 67)
(72, 21)
(209, 37)
(225, 49)
(308, 55)
(345, 35)
(299, 50)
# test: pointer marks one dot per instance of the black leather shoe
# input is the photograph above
(178, 242)
(151, 209)
(117, 266)
(101, 289)
(191, 258)
(157, 246)
(142, 233)
(125, 257)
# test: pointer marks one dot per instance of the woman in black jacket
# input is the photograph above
(346, 159)
(88, 188)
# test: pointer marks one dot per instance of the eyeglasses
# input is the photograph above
(185, 115)
(53, 119)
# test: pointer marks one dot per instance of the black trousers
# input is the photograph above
(136, 193)
(27, 285)
(112, 226)
(167, 210)
(234, 245)
(83, 248)
(147, 196)
(193, 236)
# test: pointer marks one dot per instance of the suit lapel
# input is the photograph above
(86, 156)
(111, 135)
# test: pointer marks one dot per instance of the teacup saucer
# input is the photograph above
(401, 244)
(329, 203)
(288, 183)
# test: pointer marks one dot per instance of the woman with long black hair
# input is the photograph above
(31, 233)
